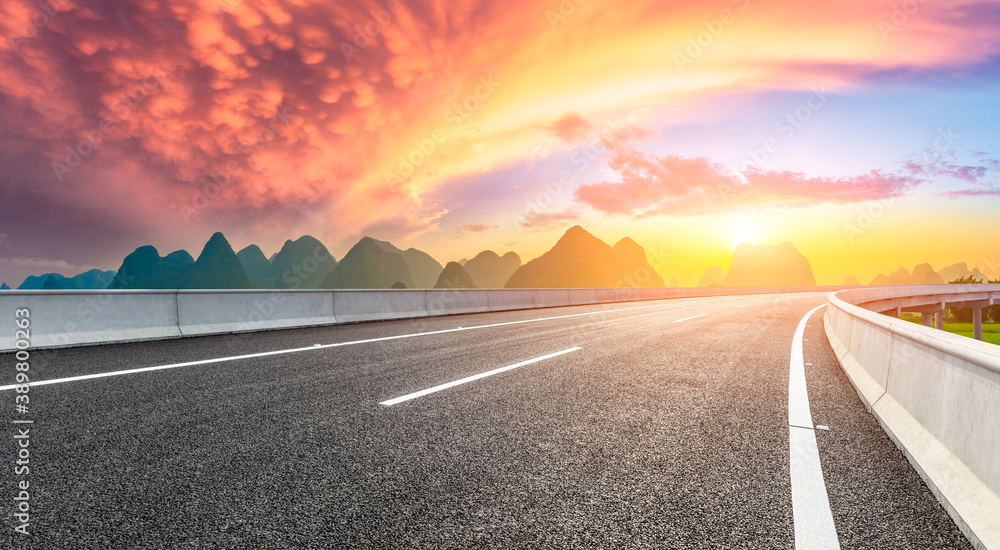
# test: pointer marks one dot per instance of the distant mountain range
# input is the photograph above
(455, 275)
(490, 270)
(371, 264)
(145, 269)
(256, 265)
(714, 276)
(924, 274)
(768, 265)
(578, 260)
(217, 267)
(302, 263)
(762, 265)
(960, 270)
(88, 280)
(581, 260)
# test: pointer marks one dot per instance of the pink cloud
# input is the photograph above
(675, 185)
(982, 192)
(570, 127)
(541, 221)
(475, 228)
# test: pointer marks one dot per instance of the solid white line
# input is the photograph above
(798, 397)
(814, 526)
(474, 377)
(744, 305)
(691, 317)
(672, 302)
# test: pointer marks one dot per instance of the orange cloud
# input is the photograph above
(221, 113)
(676, 185)
(570, 127)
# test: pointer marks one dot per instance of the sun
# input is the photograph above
(742, 231)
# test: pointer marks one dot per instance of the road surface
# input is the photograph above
(658, 424)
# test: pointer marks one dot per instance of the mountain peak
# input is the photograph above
(255, 264)
(769, 265)
(486, 254)
(454, 276)
(577, 232)
(369, 265)
(218, 266)
(626, 243)
(488, 270)
(302, 263)
(581, 260)
(51, 283)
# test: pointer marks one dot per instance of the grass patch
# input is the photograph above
(991, 331)
(967, 327)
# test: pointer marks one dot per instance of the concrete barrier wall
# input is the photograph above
(351, 306)
(936, 394)
(609, 295)
(506, 300)
(202, 312)
(62, 318)
(454, 301)
(70, 318)
(553, 297)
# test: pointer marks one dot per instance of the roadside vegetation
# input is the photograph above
(958, 320)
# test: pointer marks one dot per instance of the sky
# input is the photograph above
(864, 132)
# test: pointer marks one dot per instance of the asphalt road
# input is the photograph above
(668, 428)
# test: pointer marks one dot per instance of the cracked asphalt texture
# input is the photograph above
(655, 435)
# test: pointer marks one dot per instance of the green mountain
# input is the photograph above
(368, 264)
(302, 263)
(768, 265)
(581, 260)
(36, 282)
(489, 270)
(454, 276)
(218, 267)
(145, 269)
(50, 283)
(423, 268)
(4, 286)
(255, 264)
(851, 280)
(95, 279)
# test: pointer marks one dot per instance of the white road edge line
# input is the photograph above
(691, 317)
(472, 378)
(670, 302)
(814, 526)
(744, 305)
